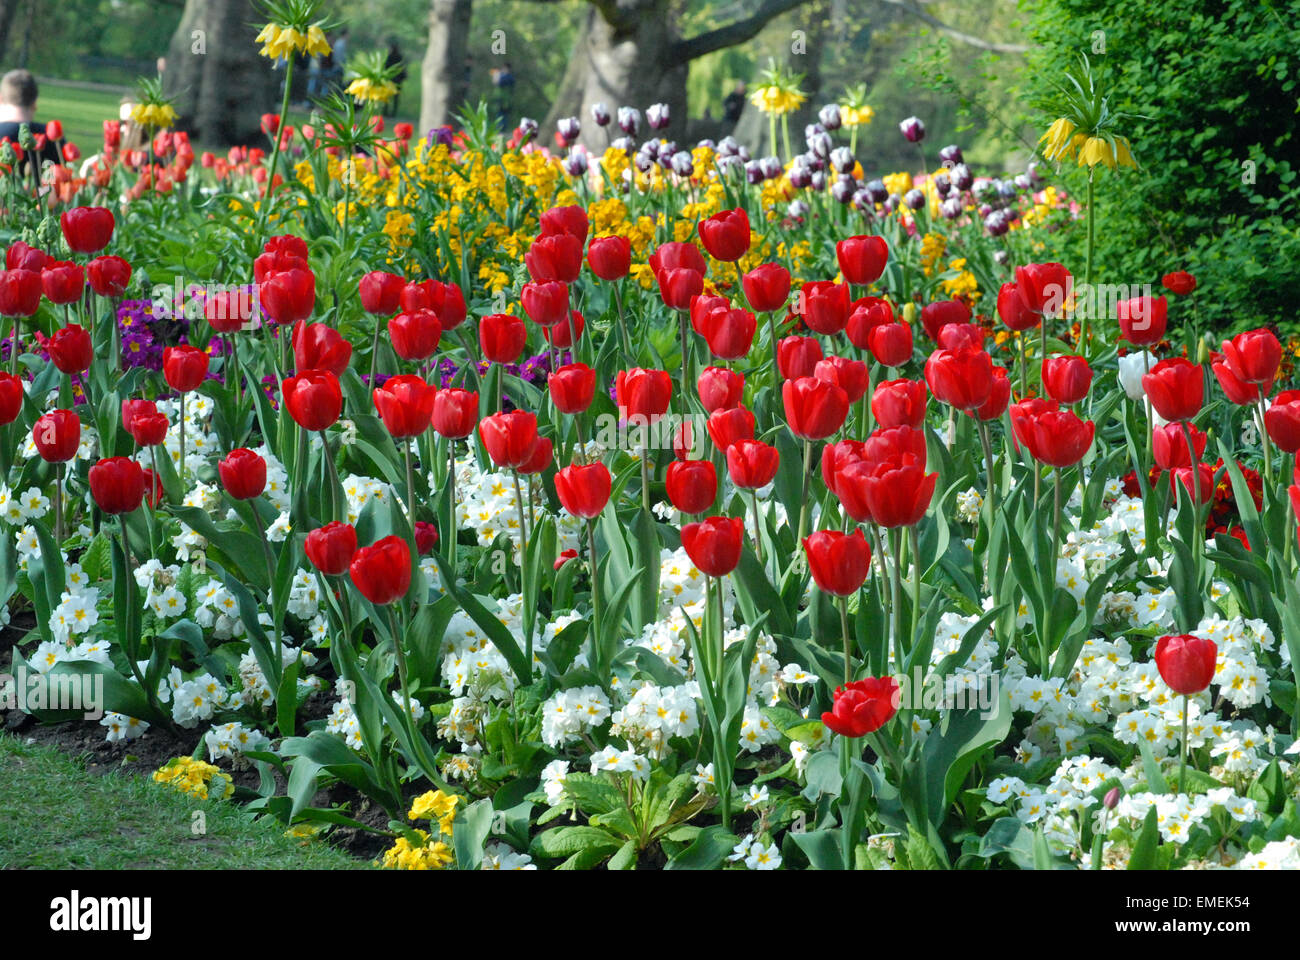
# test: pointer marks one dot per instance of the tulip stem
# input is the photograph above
(1151, 425)
(523, 528)
(234, 366)
(597, 646)
(451, 532)
(803, 501)
(401, 669)
(58, 505)
(758, 528)
(1265, 446)
(1087, 270)
(622, 321)
(896, 546)
(374, 355)
(266, 549)
(1024, 374)
(915, 539)
(1198, 546)
(1182, 760)
(181, 470)
(333, 477)
(410, 487)
(771, 336)
(848, 646)
(686, 364)
(645, 478)
(1050, 592)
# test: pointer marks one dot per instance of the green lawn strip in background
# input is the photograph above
(56, 815)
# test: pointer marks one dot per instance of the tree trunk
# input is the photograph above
(7, 10)
(444, 79)
(220, 83)
(624, 64)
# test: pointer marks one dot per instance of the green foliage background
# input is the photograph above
(1218, 78)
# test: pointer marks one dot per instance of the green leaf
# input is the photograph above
(472, 826)
(1144, 850)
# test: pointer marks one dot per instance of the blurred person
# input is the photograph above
(394, 59)
(733, 106)
(18, 93)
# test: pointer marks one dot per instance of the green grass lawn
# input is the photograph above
(59, 816)
(83, 112)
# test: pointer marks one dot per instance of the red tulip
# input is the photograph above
(891, 344)
(405, 404)
(961, 378)
(502, 337)
(1061, 439)
(961, 336)
(999, 397)
(714, 544)
(565, 333)
(889, 443)
(1176, 389)
(837, 456)
(415, 335)
(897, 491)
(243, 474)
(546, 303)
(1238, 391)
(899, 402)
(70, 349)
(862, 258)
(1180, 283)
(851, 376)
(814, 409)
(320, 347)
(797, 357)
(184, 367)
(22, 256)
(865, 316)
(702, 307)
(692, 485)
(509, 437)
(571, 220)
(678, 287)
(108, 275)
(314, 399)
(564, 557)
(1142, 320)
(1282, 421)
(87, 229)
(11, 398)
(1044, 287)
(153, 488)
(825, 306)
(1022, 421)
(752, 464)
(1201, 482)
(57, 435)
(382, 571)
(445, 299)
(288, 296)
(1169, 444)
(583, 489)
(936, 316)
(1186, 662)
(117, 485)
(572, 387)
(63, 281)
(20, 292)
(767, 287)
(1067, 379)
(285, 252)
(331, 548)
(610, 258)
(643, 393)
(226, 311)
(730, 424)
(1254, 356)
(148, 428)
(678, 256)
(381, 293)
(426, 537)
(556, 257)
(839, 562)
(1012, 309)
(730, 333)
(863, 706)
(538, 459)
(726, 235)
(720, 388)
(455, 413)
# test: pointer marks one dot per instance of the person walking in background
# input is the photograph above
(394, 59)
(18, 93)
(733, 106)
(503, 79)
(338, 61)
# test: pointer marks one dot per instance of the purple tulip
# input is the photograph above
(600, 114)
(913, 129)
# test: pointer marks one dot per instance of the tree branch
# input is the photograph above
(684, 51)
(956, 34)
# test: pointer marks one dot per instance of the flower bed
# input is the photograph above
(660, 506)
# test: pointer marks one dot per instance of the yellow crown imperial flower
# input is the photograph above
(316, 42)
(856, 116)
(1059, 139)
